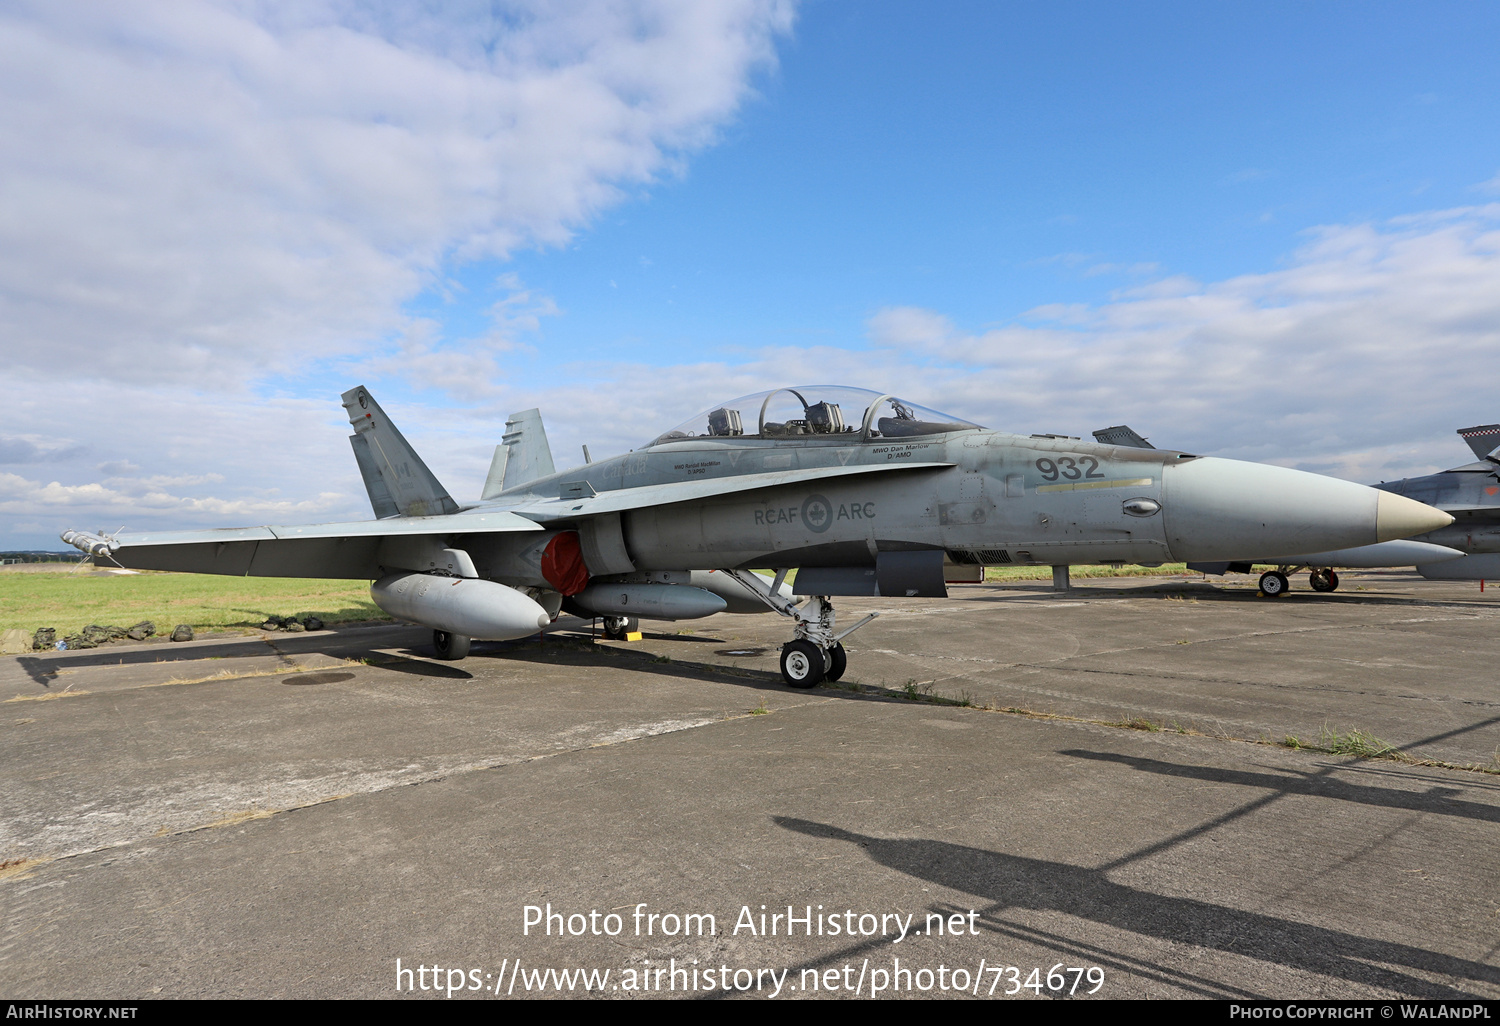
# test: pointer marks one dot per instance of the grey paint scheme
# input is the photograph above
(1471, 493)
(813, 501)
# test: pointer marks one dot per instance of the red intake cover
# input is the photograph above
(562, 564)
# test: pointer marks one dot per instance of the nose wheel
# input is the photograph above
(802, 664)
(1274, 583)
(838, 662)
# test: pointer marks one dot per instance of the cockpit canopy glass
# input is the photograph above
(816, 411)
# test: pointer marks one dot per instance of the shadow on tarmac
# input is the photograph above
(1201, 591)
(1017, 882)
(1438, 800)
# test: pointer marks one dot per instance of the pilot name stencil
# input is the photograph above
(900, 452)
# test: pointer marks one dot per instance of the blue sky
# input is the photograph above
(985, 159)
(1265, 231)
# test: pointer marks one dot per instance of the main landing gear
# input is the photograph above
(450, 646)
(1274, 583)
(1323, 579)
(616, 628)
(815, 653)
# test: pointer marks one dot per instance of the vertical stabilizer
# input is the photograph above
(494, 481)
(395, 476)
(380, 495)
(1483, 439)
(528, 454)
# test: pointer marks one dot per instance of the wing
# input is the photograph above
(1472, 514)
(352, 551)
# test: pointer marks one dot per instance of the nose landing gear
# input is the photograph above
(1276, 582)
(815, 653)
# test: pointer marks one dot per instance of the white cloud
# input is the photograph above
(209, 192)
(1359, 356)
(21, 495)
(206, 199)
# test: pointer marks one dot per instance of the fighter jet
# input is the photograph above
(1468, 549)
(862, 494)
(1471, 493)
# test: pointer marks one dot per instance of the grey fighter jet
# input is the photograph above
(1471, 493)
(1468, 549)
(863, 494)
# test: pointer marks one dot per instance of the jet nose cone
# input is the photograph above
(1225, 509)
(1396, 516)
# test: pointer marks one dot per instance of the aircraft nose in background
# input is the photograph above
(1227, 509)
(1396, 516)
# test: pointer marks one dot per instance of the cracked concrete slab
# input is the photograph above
(294, 826)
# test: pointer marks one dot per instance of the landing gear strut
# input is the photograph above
(815, 653)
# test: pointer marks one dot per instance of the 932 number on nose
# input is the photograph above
(1068, 467)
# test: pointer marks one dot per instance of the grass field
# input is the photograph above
(1044, 573)
(70, 601)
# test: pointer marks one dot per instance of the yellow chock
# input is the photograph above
(633, 636)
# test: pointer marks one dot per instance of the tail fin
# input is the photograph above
(1482, 439)
(494, 481)
(1121, 435)
(528, 456)
(395, 476)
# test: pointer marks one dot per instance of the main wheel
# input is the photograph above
(838, 661)
(1323, 579)
(802, 664)
(616, 627)
(450, 646)
(1273, 583)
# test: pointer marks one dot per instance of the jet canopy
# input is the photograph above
(816, 411)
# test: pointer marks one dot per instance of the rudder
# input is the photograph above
(397, 480)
